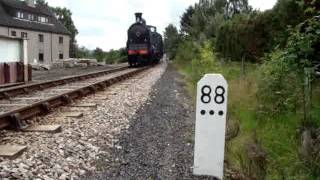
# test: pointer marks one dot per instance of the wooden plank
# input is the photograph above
(13, 72)
(30, 98)
(63, 89)
(74, 87)
(6, 71)
(99, 97)
(50, 94)
(30, 72)
(73, 115)
(20, 72)
(11, 85)
(2, 80)
(13, 105)
(8, 151)
(85, 105)
(44, 128)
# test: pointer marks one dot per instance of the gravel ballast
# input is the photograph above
(142, 128)
(159, 141)
(57, 73)
(76, 150)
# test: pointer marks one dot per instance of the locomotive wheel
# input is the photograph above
(131, 64)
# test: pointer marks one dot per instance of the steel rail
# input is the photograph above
(7, 93)
(14, 118)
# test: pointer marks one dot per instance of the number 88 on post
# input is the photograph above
(211, 114)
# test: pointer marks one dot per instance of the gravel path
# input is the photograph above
(75, 151)
(57, 73)
(159, 141)
(142, 128)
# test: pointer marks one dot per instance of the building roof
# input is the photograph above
(8, 20)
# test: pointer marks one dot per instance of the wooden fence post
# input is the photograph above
(29, 72)
(20, 72)
(6, 71)
(308, 96)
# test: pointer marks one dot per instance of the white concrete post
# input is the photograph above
(25, 59)
(212, 100)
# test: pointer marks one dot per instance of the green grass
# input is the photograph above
(279, 136)
(316, 103)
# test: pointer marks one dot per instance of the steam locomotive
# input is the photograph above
(145, 44)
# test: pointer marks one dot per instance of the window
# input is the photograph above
(60, 56)
(40, 57)
(41, 39)
(43, 19)
(20, 15)
(13, 33)
(31, 17)
(61, 40)
(24, 34)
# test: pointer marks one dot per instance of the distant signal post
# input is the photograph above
(211, 115)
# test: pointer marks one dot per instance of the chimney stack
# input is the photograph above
(30, 3)
(138, 17)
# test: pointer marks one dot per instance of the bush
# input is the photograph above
(187, 51)
(279, 88)
(282, 78)
(206, 63)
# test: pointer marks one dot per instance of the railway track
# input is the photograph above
(20, 103)
(7, 93)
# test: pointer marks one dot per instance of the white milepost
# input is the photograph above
(212, 98)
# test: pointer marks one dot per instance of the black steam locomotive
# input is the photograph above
(145, 44)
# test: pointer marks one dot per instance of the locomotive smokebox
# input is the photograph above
(138, 16)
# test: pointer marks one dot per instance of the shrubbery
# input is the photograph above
(279, 90)
(206, 62)
(186, 52)
(272, 102)
(282, 77)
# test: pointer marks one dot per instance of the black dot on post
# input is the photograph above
(212, 112)
(221, 113)
(203, 112)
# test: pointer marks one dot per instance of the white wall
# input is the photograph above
(4, 31)
(10, 50)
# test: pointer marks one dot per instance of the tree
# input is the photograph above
(234, 7)
(171, 40)
(83, 52)
(185, 22)
(42, 2)
(64, 15)
(99, 54)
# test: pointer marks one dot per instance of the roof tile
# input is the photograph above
(7, 20)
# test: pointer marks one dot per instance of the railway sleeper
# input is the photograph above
(82, 92)
(46, 107)
(102, 85)
(6, 95)
(17, 123)
(93, 88)
(66, 99)
(17, 120)
(26, 90)
(41, 87)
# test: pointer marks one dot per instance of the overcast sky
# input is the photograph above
(104, 23)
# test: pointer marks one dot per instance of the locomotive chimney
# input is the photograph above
(138, 17)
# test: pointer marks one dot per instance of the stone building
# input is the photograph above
(29, 30)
